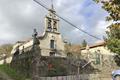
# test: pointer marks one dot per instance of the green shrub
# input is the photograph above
(11, 72)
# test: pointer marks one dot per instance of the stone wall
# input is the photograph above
(58, 66)
(80, 77)
(49, 66)
(24, 63)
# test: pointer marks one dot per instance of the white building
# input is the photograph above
(51, 43)
(100, 57)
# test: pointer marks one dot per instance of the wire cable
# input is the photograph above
(67, 21)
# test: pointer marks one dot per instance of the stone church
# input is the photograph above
(51, 43)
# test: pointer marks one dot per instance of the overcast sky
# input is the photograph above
(18, 18)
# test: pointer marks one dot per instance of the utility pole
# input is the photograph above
(78, 73)
(78, 69)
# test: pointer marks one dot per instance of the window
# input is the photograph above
(97, 58)
(52, 53)
(52, 44)
(69, 54)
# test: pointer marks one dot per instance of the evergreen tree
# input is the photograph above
(84, 43)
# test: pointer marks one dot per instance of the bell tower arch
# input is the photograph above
(52, 21)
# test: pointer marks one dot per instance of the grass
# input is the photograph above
(11, 72)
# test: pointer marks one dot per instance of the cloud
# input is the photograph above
(19, 17)
(101, 27)
(86, 15)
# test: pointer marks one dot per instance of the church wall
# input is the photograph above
(45, 44)
(26, 45)
(15, 46)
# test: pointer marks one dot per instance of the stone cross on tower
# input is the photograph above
(52, 6)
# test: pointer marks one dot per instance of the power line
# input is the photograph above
(67, 21)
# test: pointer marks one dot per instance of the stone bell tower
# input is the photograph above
(51, 21)
(52, 43)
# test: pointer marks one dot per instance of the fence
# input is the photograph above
(80, 77)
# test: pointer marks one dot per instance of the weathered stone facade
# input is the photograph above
(100, 58)
(51, 42)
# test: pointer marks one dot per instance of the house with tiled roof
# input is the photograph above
(100, 57)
